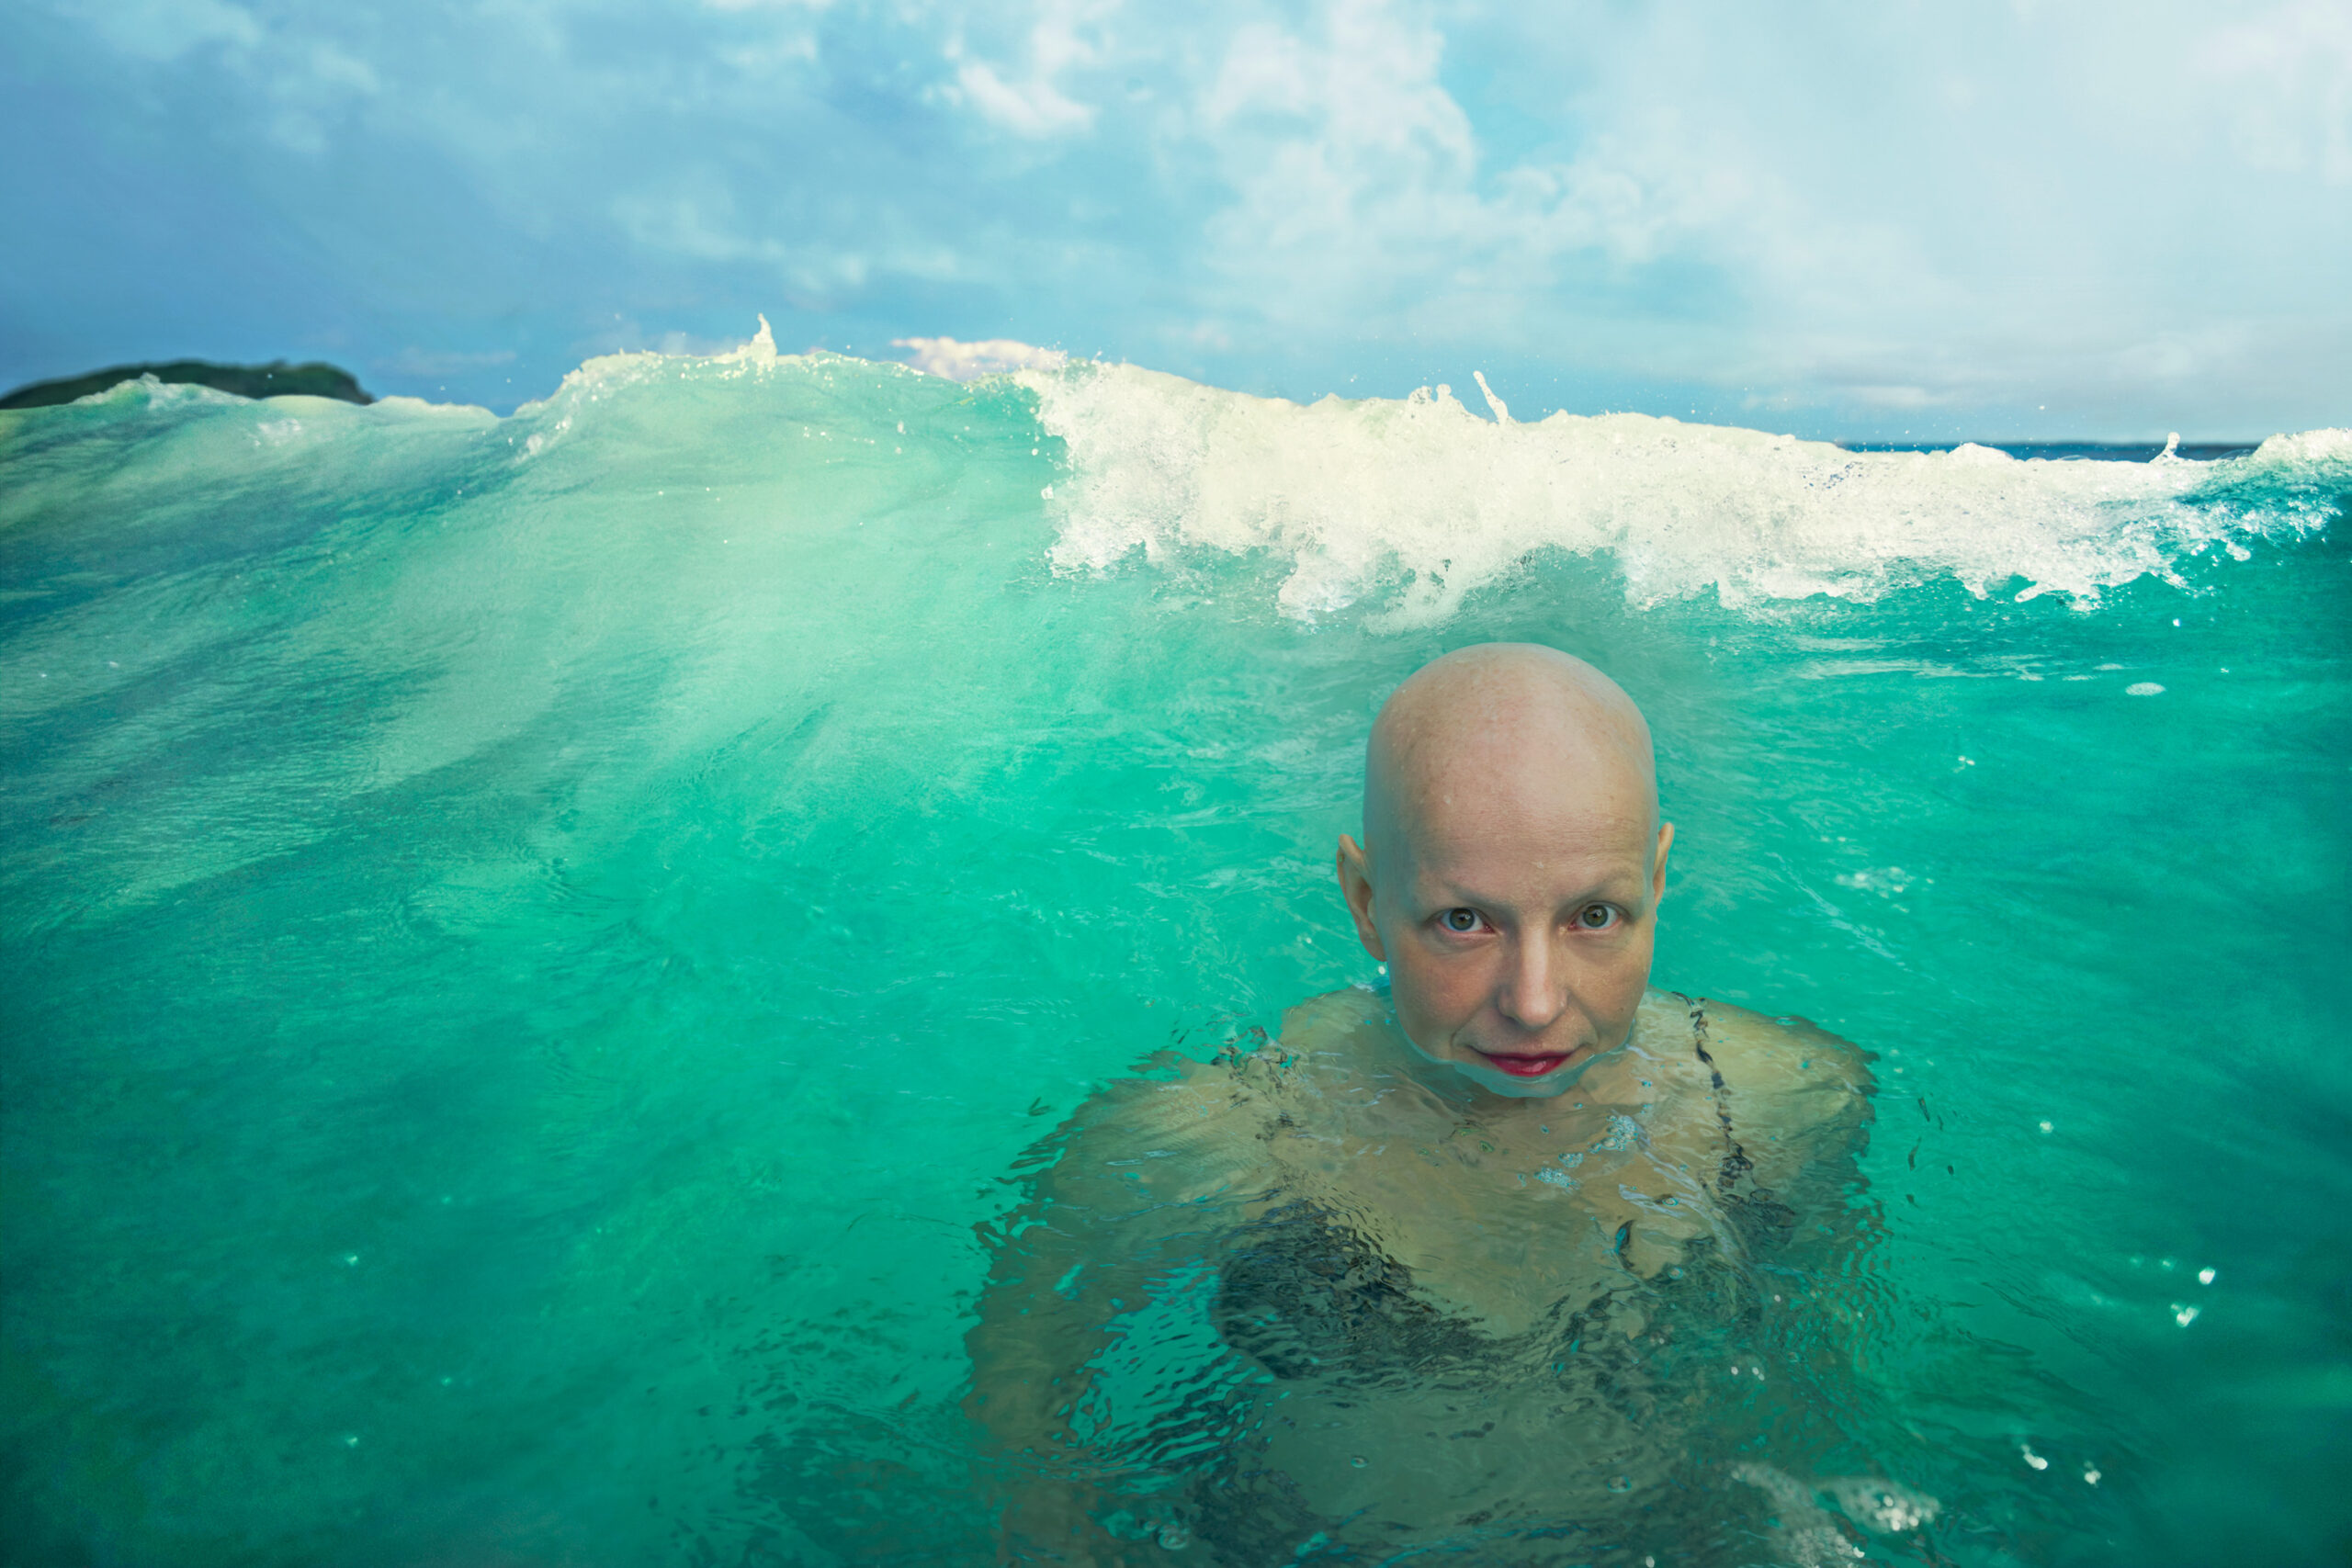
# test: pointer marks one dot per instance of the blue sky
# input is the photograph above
(2014, 220)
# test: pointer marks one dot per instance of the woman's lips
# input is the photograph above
(1526, 1067)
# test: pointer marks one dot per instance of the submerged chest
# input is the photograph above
(1501, 1227)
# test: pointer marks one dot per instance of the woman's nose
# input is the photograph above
(1531, 994)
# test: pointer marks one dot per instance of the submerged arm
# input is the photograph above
(1122, 1199)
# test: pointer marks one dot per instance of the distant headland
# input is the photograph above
(275, 379)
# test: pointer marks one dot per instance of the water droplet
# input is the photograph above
(2090, 1477)
(2033, 1458)
(1359, 1461)
(2204, 1276)
(1174, 1538)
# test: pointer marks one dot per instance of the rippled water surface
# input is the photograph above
(533, 947)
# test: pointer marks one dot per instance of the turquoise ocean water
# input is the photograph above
(532, 945)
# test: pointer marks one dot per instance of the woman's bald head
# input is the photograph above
(1504, 733)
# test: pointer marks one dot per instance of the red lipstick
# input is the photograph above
(1526, 1067)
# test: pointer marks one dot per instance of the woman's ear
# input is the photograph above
(1355, 886)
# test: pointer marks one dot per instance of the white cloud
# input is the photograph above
(1360, 187)
(1035, 107)
(166, 29)
(308, 79)
(1350, 167)
(969, 361)
(2292, 71)
(1897, 215)
(1030, 102)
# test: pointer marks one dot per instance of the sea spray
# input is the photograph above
(1420, 503)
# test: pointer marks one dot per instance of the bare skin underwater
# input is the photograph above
(1487, 1264)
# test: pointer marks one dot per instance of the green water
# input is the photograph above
(532, 945)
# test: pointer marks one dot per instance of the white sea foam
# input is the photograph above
(1422, 499)
(149, 391)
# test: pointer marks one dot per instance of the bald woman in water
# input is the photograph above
(1424, 1272)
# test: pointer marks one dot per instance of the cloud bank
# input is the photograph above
(1979, 219)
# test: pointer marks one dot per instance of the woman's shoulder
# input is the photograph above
(1320, 1022)
(1808, 1073)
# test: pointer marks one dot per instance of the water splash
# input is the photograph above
(1424, 500)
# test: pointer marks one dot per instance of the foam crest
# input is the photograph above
(1420, 501)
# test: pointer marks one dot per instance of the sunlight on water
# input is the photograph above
(537, 946)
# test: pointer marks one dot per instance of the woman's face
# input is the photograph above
(1517, 919)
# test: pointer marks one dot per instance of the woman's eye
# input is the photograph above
(1596, 917)
(1460, 920)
